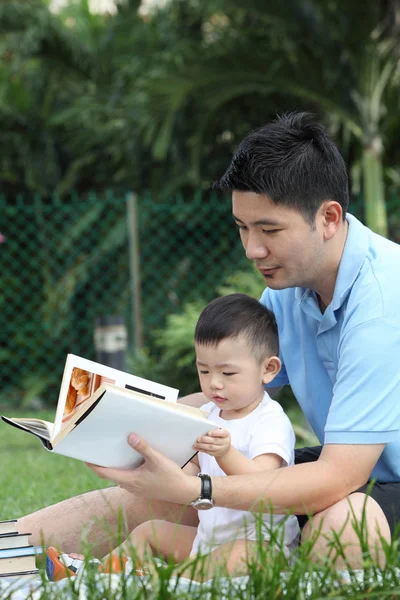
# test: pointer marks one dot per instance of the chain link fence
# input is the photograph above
(70, 266)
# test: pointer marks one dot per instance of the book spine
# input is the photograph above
(20, 573)
(13, 534)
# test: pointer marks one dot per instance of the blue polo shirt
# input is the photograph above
(344, 365)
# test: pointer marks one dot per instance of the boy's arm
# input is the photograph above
(235, 463)
(217, 443)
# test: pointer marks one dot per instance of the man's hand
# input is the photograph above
(216, 443)
(157, 478)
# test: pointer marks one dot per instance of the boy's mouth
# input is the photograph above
(218, 398)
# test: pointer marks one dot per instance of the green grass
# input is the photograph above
(31, 478)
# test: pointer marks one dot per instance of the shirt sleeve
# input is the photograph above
(365, 407)
(273, 434)
(281, 378)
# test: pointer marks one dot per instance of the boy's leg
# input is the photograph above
(227, 559)
(161, 537)
(97, 514)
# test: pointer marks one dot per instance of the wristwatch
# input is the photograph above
(205, 501)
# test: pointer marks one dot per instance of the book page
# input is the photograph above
(74, 392)
(39, 427)
(82, 385)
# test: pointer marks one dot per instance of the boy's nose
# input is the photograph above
(216, 384)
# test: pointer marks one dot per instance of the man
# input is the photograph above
(332, 284)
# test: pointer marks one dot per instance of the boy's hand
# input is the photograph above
(216, 443)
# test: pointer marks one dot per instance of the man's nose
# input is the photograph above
(255, 247)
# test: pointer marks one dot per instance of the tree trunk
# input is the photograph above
(374, 193)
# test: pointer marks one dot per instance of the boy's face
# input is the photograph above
(231, 377)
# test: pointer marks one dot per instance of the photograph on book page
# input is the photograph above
(82, 386)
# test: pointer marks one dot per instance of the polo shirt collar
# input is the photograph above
(354, 253)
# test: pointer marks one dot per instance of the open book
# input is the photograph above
(98, 407)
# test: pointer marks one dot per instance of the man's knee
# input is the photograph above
(335, 518)
(355, 518)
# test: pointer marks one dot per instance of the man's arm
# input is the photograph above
(305, 488)
(191, 468)
(197, 399)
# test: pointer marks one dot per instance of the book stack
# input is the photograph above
(17, 555)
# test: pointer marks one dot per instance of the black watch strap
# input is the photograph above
(206, 487)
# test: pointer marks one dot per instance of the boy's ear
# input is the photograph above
(272, 366)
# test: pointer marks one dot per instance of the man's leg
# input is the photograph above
(96, 517)
(340, 519)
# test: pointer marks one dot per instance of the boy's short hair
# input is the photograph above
(238, 314)
(294, 162)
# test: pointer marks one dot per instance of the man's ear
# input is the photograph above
(331, 215)
(272, 366)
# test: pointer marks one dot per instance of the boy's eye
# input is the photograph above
(202, 372)
(228, 374)
(270, 231)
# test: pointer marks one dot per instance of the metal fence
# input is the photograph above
(69, 266)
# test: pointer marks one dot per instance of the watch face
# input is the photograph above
(203, 504)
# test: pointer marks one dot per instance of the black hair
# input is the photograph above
(294, 162)
(235, 314)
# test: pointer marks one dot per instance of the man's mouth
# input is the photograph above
(265, 271)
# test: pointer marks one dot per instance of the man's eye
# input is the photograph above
(270, 231)
(241, 227)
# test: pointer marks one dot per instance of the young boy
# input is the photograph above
(236, 344)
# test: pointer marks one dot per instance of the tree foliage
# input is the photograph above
(159, 101)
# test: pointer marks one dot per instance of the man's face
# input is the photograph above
(286, 250)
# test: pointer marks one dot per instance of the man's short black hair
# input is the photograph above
(294, 162)
(238, 314)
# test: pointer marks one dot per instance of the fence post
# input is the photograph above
(134, 269)
(111, 341)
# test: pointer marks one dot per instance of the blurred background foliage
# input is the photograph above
(159, 99)
(68, 263)
(154, 99)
